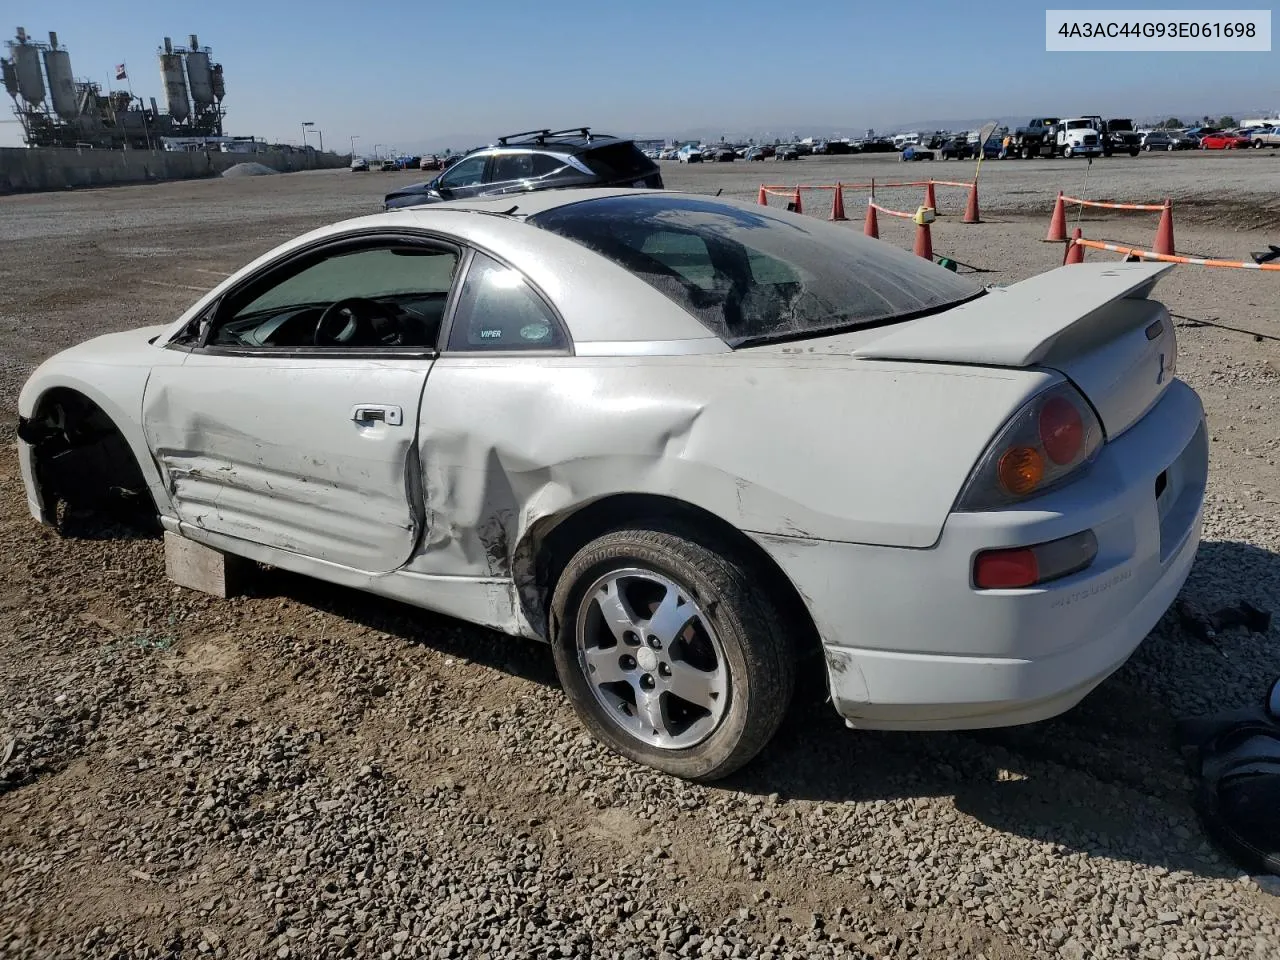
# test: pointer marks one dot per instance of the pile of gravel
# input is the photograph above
(249, 170)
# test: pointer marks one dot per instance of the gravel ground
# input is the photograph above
(306, 771)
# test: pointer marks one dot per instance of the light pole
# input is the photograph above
(376, 155)
(305, 124)
(353, 147)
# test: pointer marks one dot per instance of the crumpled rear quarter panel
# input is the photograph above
(815, 447)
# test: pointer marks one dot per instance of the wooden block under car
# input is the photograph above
(193, 565)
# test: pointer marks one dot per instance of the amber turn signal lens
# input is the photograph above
(1020, 469)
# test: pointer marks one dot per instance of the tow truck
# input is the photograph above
(1052, 137)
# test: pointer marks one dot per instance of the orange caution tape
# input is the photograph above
(1114, 206)
(890, 213)
(1170, 258)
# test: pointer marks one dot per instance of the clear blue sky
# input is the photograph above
(437, 74)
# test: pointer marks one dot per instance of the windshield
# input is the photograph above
(750, 276)
(1078, 125)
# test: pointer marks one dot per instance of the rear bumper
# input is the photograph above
(910, 644)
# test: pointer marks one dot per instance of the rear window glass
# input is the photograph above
(617, 160)
(752, 277)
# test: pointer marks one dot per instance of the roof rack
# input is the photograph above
(523, 133)
(541, 136)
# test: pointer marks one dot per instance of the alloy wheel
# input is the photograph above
(651, 659)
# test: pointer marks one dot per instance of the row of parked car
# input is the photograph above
(1211, 138)
(945, 146)
(429, 162)
(726, 152)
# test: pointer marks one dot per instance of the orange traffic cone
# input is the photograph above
(1075, 251)
(971, 208)
(837, 204)
(924, 242)
(929, 200)
(871, 227)
(763, 199)
(1164, 232)
(798, 205)
(1058, 225)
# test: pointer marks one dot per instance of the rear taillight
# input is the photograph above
(1055, 434)
(1010, 569)
(1061, 429)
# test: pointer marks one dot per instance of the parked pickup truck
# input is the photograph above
(1036, 139)
(1265, 137)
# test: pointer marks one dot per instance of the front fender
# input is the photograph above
(111, 372)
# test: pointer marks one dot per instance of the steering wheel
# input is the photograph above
(358, 322)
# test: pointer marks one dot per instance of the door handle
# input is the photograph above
(365, 413)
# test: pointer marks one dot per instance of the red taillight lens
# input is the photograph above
(1061, 429)
(1005, 569)
(1016, 567)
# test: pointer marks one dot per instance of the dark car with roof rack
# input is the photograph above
(536, 160)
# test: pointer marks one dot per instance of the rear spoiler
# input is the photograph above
(1017, 325)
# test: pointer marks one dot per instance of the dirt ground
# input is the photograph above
(307, 771)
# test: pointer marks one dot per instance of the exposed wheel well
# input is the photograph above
(546, 550)
(83, 461)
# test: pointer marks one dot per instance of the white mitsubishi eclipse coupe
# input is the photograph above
(686, 441)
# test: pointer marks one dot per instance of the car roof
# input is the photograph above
(601, 303)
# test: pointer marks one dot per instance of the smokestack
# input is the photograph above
(195, 44)
(53, 40)
(168, 45)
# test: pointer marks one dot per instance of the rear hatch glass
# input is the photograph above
(752, 277)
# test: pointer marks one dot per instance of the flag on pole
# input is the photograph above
(120, 72)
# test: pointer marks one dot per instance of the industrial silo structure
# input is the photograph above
(10, 73)
(26, 62)
(175, 83)
(199, 75)
(62, 85)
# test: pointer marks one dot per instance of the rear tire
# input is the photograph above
(733, 642)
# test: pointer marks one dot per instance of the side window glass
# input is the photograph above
(513, 166)
(380, 296)
(464, 173)
(497, 310)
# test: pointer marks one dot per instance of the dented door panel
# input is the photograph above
(267, 449)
